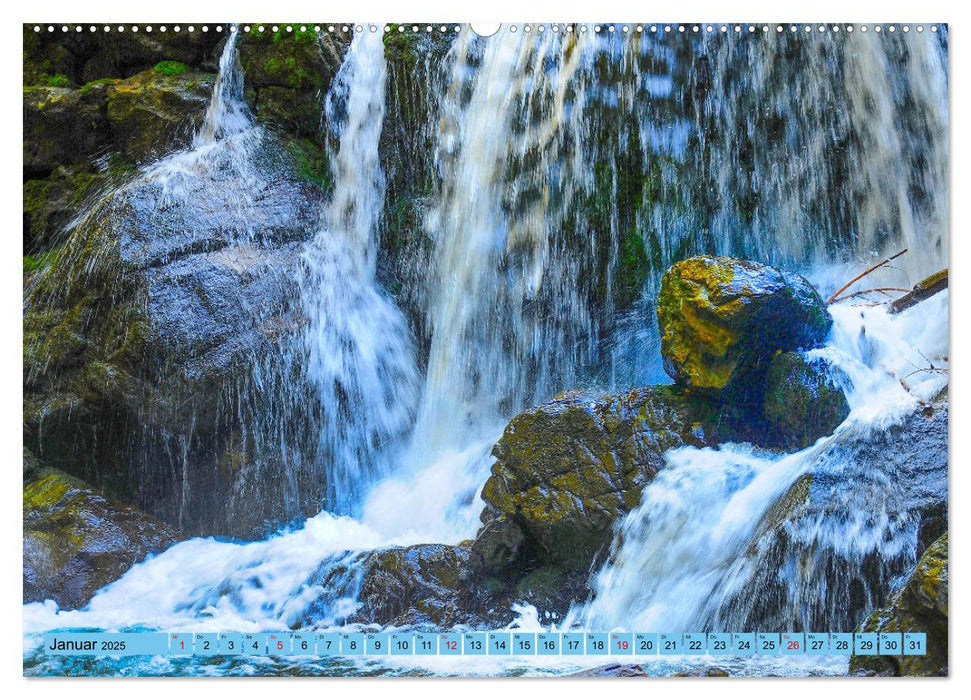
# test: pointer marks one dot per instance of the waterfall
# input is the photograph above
(227, 113)
(572, 168)
(361, 358)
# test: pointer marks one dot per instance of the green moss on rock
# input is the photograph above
(803, 400)
(170, 68)
(920, 605)
(76, 541)
(566, 470)
(157, 111)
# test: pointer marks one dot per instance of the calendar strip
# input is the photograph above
(498, 643)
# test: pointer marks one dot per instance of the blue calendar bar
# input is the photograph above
(501, 643)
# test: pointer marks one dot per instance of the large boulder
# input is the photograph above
(565, 471)
(830, 548)
(920, 605)
(141, 336)
(721, 319)
(77, 541)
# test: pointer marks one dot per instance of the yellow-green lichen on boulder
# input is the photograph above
(720, 317)
(76, 541)
(157, 111)
(567, 469)
(920, 605)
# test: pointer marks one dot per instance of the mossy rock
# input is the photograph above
(566, 470)
(804, 400)
(63, 127)
(920, 605)
(135, 342)
(51, 203)
(82, 57)
(293, 111)
(76, 541)
(157, 111)
(721, 318)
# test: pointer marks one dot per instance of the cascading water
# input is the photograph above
(573, 168)
(687, 557)
(361, 358)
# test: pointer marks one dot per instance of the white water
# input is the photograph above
(361, 357)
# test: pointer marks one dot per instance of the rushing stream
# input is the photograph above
(533, 132)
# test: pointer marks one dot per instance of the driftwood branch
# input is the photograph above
(875, 290)
(882, 263)
(921, 291)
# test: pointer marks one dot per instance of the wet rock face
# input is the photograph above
(135, 336)
(920, 605)
(77, 541)
(888, 487)
(720, 318)
(425, 584)
(566, 470)
(77, 141)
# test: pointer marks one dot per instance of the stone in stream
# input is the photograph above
(565, 471)
(77, 541)
(803, 400)
(919, 605)
(720, 319)
(417, 585)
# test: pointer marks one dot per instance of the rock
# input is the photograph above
(920, 605)
(566, 470)
(86, 56)
(423, 584)
(288, 75)
(721, 318)
(803, 400)
(157, 111)
(134, 338)
(612, 671)
(50, 203)
(703, 672)
(802, 570)
(64, 127)
(76, 541)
